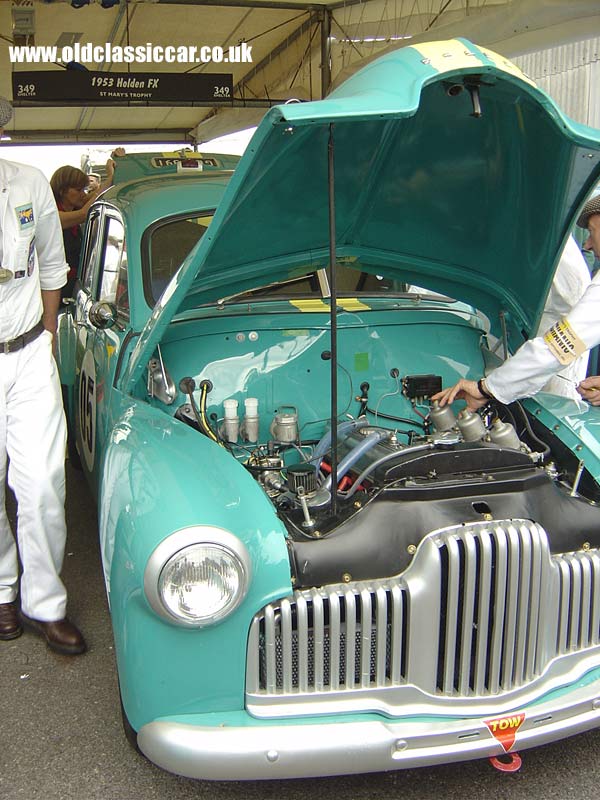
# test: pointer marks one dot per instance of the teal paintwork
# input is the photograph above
(244, 720)
(420, 198)
(151, 458)
(576, 424)
(460, 204)
(284, 358)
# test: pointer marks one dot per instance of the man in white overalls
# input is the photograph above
(32, 424)
(525, 373)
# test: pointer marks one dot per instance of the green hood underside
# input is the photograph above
(426, 191)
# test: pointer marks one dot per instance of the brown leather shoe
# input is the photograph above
(10, 627)
(61, 636)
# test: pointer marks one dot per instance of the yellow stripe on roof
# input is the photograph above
(506, 65)
(448, 55)
(452, 54)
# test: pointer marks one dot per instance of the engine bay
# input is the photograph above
(399, 479)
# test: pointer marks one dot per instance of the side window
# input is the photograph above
(113, 286)
(91, 248)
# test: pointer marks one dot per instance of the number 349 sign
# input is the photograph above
(87, 409)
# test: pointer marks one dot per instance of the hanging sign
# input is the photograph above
(78, 87)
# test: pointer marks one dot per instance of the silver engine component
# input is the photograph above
(504, 434)
(269, 475)
(442, 417)
(302, 476)
(284, 427)
(471, 425)
(302, 483)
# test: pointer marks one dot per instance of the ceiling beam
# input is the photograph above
(277, 5)
(99, 136)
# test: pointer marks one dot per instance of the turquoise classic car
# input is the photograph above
(312, 569)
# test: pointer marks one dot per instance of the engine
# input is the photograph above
(392, 493)
(396, 485)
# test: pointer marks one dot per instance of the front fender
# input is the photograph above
(159, 476)
(575, 423)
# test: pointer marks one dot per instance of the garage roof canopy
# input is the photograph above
(298, 51)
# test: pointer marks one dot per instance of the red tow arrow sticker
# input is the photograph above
(504, 729)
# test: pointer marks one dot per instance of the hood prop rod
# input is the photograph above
(333, 322)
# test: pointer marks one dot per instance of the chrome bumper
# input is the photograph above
(264, 751)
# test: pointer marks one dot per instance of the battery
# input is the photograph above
(421, 385)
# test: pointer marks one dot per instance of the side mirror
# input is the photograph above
(103, 315)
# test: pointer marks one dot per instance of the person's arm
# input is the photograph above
(69, 219)
(538, 359)
(51, 304)
(110, 169)
(527, 371)
(49, 246)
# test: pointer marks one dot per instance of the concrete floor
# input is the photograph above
(61, 736)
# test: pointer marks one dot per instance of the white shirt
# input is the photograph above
(527, 371)
(571, 279)
(31, 247)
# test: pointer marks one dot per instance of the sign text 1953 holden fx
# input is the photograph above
(311, 568)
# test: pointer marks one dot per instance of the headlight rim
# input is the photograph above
(179, 540)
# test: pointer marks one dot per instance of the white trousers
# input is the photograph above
(33, 435)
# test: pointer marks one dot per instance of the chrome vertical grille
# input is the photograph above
(481, 612)
(579, 601)
(491, 595)
(339, 638)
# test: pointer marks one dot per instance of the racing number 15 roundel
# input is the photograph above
(87, 409)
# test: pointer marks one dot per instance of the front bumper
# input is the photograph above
(244, 749)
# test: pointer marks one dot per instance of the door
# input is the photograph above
(102, 321)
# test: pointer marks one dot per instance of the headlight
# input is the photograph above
(197, 576)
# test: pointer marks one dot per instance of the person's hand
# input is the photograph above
(463, 390)
(589, 389)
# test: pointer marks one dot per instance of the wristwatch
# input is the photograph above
(483, 390)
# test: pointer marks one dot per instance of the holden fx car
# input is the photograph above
(313, 569)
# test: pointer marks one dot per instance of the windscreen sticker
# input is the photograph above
(563, 342)
(352, 304)
(504, 729)
(347, 303)
(310, 305)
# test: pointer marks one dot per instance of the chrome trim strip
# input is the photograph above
(334, 642)
(468, 617)
(286, 631)
(397, 636)
(254, 752)
(483, 618)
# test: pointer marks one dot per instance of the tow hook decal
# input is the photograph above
(504, 729)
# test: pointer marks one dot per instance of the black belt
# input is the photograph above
(19, 342)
